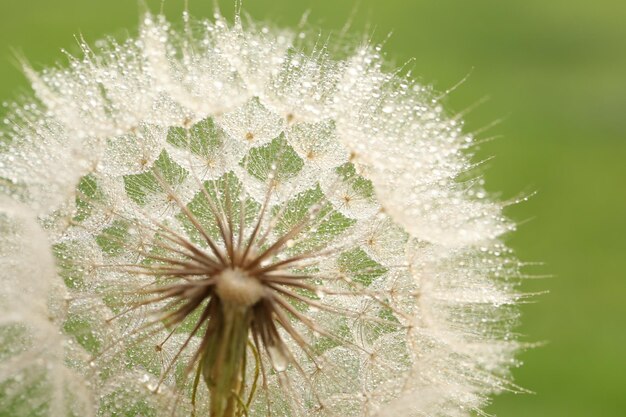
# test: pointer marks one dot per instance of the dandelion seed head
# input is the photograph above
(238, 222)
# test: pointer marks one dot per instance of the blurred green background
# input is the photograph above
(555, 72)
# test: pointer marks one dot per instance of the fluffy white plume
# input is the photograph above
(136, 156)
(36, 378)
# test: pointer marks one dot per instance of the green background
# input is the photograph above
(555, 72)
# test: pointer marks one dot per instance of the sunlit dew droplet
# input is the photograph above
(278, 358)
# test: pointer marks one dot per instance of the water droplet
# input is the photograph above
(277, 357)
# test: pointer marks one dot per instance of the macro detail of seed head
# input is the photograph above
(229, 219)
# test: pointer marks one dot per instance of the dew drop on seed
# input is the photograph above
(278, 359)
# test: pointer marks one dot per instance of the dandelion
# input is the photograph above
(233, 220)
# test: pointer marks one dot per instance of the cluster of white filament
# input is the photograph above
(413, 307)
